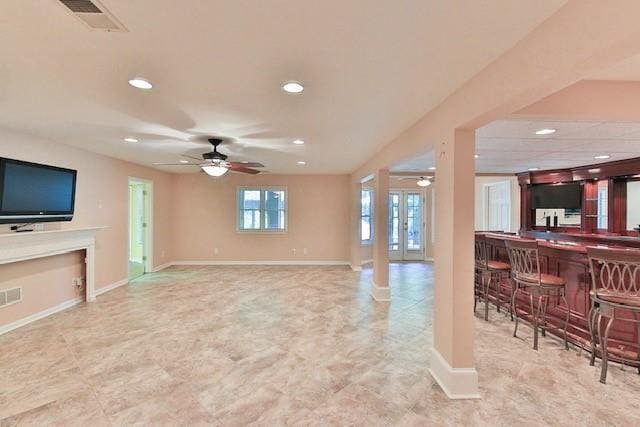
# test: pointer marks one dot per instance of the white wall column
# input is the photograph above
(380, 288)
(452, 361)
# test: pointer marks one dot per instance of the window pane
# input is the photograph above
(274, 219)
(414, 222)
(365, 228)
(250, 220)
(250, 199)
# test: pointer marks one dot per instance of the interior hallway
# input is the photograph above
(286, 345)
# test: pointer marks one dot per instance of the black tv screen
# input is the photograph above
(31, 192)
(556, 196)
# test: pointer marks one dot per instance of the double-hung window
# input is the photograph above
(262, 209)
(366, 225)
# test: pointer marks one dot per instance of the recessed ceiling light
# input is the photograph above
(130, 140)
(245, 161)
(533, 169)
(301, 162)
(546, 131)
(476, 156)
(602, 157)
(140, 83)
(184, 161)
(292, 87)
(432, 168)
(298, 141)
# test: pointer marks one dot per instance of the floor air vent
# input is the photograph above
(10, 296)
(93, 15)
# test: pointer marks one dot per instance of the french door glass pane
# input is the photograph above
(394, 221)
(414, 222)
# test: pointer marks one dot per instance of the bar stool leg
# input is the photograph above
(534, 314)
(566, 321)
(591, 319)
(512, 285)
(605, 352)
(545, 298)
(514, 309)
(499, 282)
(486, 297)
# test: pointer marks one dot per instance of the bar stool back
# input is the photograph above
(615, 281)
(526, 274)
(487, 272)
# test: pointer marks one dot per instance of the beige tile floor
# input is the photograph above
(286, 346)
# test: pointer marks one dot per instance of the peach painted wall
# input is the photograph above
(45, 282)
(101, 200)
(205, 219)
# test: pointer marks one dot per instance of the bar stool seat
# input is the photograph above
(498, 265)
(631, 302)
(551, 280)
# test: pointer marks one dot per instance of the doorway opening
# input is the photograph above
(406, 225)
(497, 206)
(140, 227)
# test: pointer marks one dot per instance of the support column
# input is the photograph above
(355, 194)
(452, 363)
(380, 289)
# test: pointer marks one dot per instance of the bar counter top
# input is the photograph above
(565, 255)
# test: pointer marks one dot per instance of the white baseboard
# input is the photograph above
(111, 287)
(380, 294)
(366, 261)
(40, 315)
(162, 267)
(355, 267)
(295, 262)
(457, 383)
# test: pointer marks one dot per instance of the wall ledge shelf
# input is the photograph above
(16, 247)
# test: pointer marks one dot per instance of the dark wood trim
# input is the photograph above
(618, 173)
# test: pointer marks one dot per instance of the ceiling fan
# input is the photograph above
(420, 181)
(215, 164)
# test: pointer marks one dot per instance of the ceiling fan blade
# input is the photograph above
(174, 164)
(247, 164)
(242, 169)
(191, 157)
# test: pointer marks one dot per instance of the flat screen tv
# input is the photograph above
(557, 196)
(31, 192)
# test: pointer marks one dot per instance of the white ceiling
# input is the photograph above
(371, 69)
(627, 70)
(511, 146)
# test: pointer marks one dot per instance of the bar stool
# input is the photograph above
(615, 281)
(526, 274)
(488, 271)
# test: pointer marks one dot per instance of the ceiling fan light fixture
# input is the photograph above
(214, 170)
(423, 182)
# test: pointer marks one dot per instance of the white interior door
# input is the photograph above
(406, 225)
(498, 206)
(413, 226)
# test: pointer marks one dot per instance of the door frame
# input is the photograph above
(401, 254)
(485, 202)
(148, 232)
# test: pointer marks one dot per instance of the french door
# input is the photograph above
(406, 225)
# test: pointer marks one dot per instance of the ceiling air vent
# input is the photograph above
(93, 15)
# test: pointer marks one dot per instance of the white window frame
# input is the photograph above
(262, 209)
(368, 241)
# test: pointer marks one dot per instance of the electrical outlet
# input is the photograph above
(293, 250)
(77, 282)
(216, 251)
(39, 227)
(305, 251)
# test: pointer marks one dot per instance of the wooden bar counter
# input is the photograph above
(565, 255)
